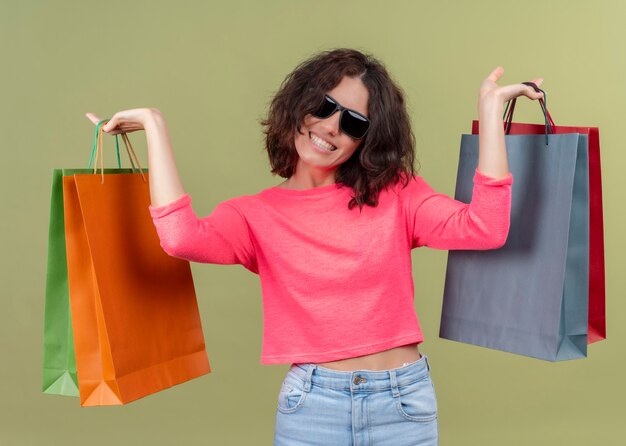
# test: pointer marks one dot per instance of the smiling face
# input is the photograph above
(323, 147)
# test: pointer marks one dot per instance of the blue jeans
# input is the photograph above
(319, 406)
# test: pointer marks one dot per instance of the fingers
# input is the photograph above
(489, 87)
(515, 90)
(496, 74)
(124, 121)
(110, 124)
(93, 118)
(531, 93)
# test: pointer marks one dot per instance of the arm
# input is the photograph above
(443, 223)
(440, 222)
(165, 184)
(492, 160)
(222, 237)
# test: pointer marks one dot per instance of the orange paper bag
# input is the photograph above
(135, 317)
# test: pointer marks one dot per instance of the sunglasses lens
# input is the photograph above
(327, 108)
(351, 123)
(354, 124)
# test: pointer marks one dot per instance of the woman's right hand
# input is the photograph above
(165, 184)
(126, 121)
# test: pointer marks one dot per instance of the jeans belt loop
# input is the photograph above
(394, 383)
(307, 380)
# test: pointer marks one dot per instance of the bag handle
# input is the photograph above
(510, 108)
(98, 152)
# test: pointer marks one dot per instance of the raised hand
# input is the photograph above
(125, 121)
(165, 184)
(492, 95)
(492, 159)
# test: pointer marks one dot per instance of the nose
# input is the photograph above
(331, 124)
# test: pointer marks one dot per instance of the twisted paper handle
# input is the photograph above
(97, 151)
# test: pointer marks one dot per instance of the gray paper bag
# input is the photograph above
(529, 297)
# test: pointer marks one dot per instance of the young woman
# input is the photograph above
(332, 243)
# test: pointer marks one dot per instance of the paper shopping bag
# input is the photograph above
(135, 318)
(529, 297)
(597, 305)
(59, 362)
(134, 326)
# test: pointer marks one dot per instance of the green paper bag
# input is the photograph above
(59, 362)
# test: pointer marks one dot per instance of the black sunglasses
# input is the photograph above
(352, 123)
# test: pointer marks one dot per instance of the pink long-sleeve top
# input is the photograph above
(336, 283)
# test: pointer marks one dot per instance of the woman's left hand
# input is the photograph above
(492, 158)
(492, 97)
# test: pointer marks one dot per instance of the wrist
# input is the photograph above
(491, 102)
(153, 118)
(488, 106)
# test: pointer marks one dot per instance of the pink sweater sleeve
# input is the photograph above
(221, 237)
(441, 222)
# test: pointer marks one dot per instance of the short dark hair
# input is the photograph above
(388, 149)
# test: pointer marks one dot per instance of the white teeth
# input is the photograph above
(322, 144)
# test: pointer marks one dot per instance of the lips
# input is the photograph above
(321, 144)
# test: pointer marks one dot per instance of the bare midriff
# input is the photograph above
(388, 359)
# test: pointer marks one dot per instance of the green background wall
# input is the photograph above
(212, 67)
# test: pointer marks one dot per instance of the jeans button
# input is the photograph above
(358, 380)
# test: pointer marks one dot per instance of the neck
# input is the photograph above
(301, 181)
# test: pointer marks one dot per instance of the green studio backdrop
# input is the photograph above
(212, 68)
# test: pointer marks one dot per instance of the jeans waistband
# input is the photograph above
(362, 380)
